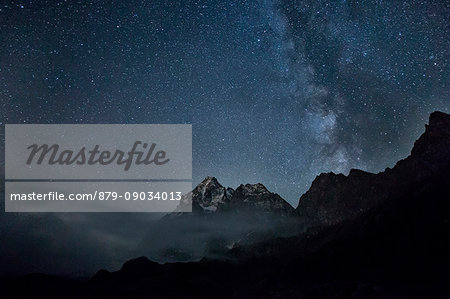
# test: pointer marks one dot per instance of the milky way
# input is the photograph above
(277, 92)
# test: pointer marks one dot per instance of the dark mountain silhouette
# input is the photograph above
(333, 198)
(366, 235)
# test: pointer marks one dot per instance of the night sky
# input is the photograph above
(277, 91)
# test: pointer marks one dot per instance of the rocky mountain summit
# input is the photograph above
(256, 197)
(211, 197)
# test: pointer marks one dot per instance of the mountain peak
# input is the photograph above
(256, 197)
(248, 189)
(208, 195)
(439, 119)
(333, 198)
(431, 152)
(210, 180)
(437, 127)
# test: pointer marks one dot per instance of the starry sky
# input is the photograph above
(277, 91)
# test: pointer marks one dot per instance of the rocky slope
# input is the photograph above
(256, 198)
(211, 197)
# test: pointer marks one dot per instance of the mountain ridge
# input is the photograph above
(333, 198)
(211, 197)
